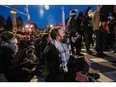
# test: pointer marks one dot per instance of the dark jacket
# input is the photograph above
(52, 66)
(6, 57)
(72, 26)
(87, 28)
(52, 61)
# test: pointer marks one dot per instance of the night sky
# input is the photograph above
(42, 16)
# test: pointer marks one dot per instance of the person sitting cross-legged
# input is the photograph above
(59, 65)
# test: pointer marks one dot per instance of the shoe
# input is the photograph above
(99, 55)
(79, 54)
(94, 75)
(91, 79)
(114, 51)
(104, 54)
(89, 52)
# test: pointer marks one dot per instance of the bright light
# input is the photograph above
(46, 7)
(13, 12)
(27, 26)
(51, 25)
(30, 30)
(41, 12)
(31, 25)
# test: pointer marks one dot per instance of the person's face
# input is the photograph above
(61, 34)
(32, 37)
(13, 40)
(48, 39)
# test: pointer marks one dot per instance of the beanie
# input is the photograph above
(6, 36)
(73, 12)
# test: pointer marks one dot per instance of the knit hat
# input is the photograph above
(73, 12)
(6, 36)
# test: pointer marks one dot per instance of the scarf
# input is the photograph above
(13, 47)
(64, 52)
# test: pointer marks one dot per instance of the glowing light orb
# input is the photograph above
(41, 11)
(46, 7)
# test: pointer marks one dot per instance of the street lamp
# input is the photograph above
(13, 12)
(28, 15)
(46, 7)
(31, 26)
(41, 12)
(51, 25)
(27, 26)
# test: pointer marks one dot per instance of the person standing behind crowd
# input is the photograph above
(79, 21)
(96, 24)
(88, 31)
(72, 22)
(101, 29)
(76, 41)
(74, 28)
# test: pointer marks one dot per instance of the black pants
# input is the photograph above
(77, 45)
(101, 40)
(61, 77)
(76, 65)
(22, 73)
(72, 47)
(88, 40)
(18, 75)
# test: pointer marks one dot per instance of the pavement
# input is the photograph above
(105, 67)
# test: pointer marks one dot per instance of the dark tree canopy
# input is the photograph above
(19, 22)
(9, 25)
(2, 22)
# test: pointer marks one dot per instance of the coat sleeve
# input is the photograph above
(52, 62)
(7, 56)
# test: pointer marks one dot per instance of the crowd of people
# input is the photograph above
(95, 28)
(57, 51)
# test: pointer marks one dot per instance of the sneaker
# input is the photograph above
(91, 79)
(94, 75)
(104, 54)
(99, 55)
(79, 54)
(89, 52)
